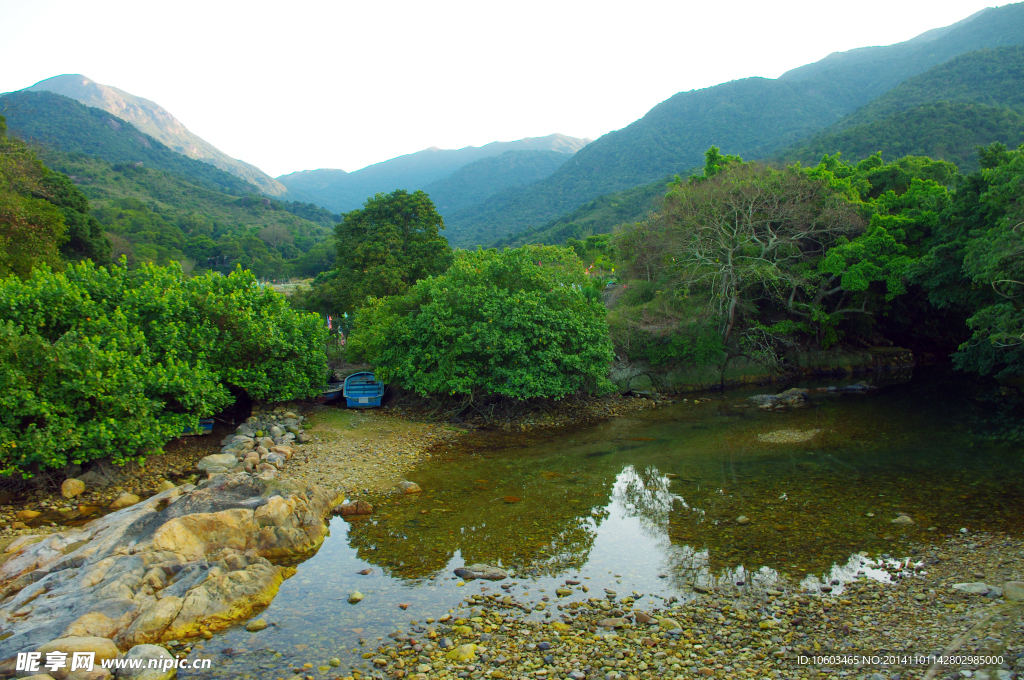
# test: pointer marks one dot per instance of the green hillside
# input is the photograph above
(992, 77)
(868, 72)
(476, 181)
(754, 118)
(156, 121)
(974, 99)
(158, 216)
(599, 216)
(343, 191)
(61, 123)
(949, 131)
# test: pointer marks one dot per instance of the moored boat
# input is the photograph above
(363, 390)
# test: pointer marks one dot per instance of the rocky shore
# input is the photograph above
(940, 601)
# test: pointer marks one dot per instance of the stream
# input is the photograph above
(708, 492)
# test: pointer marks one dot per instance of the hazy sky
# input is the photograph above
(299, 85)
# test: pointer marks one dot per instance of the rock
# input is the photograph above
(355, 597)
(666, 623)
(27, 514)
(409, 487)
(267, 443)
(276, 431)
(642, 617)
(166, 671)
(103, 648)
(354, 508)
(124, 500)
(904, 520)
(217, 460)
(256, 625)
(563, 592)
(1014, 590)
(976, 588)
(188, 560)
(20, 542)
(483, 571)
(72, 487)
(303, 438)
(788, 398)
(617, 622)
(165, 485)
(742, 519)
(463, 654)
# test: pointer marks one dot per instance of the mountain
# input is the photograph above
(154, 215)
(972, 100)
(868, 72)
(476, 181)
(754, 118)
(343, 191)
(156, 121)
(61, 123)
(599, 216)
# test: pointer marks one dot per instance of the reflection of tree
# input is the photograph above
(549, 530)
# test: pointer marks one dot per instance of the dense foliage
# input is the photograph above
(948, 131)
(517, 323)
(113, 363)
(383, 249)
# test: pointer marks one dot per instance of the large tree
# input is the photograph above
(385, 248)
(517, 323)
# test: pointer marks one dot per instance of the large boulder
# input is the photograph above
(158, 570)
(102, 647)
(218, 462)
(152, 654)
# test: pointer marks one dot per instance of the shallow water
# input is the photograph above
(648, 503)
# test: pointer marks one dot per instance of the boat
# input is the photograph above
(205, 427)
(331, 392)
(363, 390)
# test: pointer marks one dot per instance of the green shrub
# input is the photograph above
(112, 363)
(515, 323)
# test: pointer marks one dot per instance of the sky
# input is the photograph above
(299, 85)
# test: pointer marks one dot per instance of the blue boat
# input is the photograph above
(362, 390)
(331, 392)
(205, 427)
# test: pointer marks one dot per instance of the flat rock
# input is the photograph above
(481, 571)
(904, 520)
(143, 574)
(617, 622)
(217, 460)
(148, 652)
(976, 588)
(102, 647)
(124, 500)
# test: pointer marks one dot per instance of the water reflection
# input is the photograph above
(652, 503)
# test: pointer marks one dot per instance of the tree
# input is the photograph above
(750, 233)
(31, 228)
(84, 233)
(385, 248)
(515, 324)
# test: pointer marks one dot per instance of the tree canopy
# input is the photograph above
(517, 323)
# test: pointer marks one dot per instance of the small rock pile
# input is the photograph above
(260, 446)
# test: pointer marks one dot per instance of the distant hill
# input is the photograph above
(868, 72)
(476, 181)
(62, 123)
(599, 216)
(974, 99)
(154, 215)
(156, 121)
(754, 118)
(343, 191)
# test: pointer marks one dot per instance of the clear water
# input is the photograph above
(646, 503)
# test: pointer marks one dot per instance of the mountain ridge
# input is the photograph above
(157, 122)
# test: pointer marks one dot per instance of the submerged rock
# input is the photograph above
(790, 397)
(162, 568)
(409, 487)
(482, 571)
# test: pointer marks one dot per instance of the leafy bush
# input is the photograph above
(113, 363)
(515, 323)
